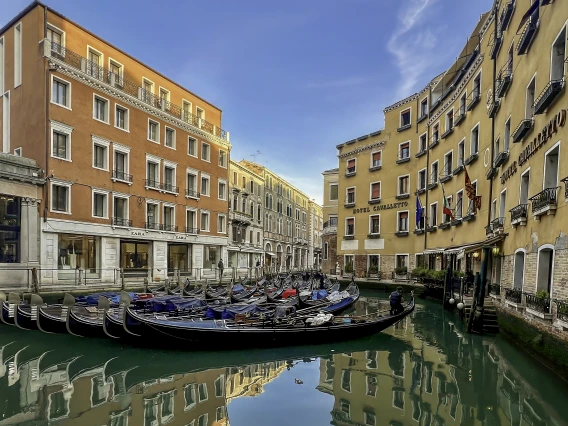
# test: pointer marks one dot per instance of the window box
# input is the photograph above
(471, 159)
(373, 236)
(402, 196)
(548, 95)
(403, 128)
(522, 130)
(459, 118)
(420, 153)
(375, 168)
(445, 225)
(431, 229)
(401, 234)
(447, 133)
(446, 178)
(375, 201)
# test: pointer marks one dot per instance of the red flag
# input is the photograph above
(447, 210)
(471, 193)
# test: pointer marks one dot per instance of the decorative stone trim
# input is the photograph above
(379, 144)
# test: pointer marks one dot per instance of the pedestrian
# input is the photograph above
(221, 267)
(396, 300)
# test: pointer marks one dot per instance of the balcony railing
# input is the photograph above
(519, 214)
(191, 230)
(473, 99)
(514, 295)
(350, 171)
(562, 310)
(488, 230)
(121, 221)
(565, 180)
(506, 15)
(132, 89)
(459, 118)
(544, 201)
(548, 95)
(498, 224)
(240, 217)
(151, 183)
(350, 201)
(538, 304)
(169, 228)
(421, 152)
(527, 35)
(501, 158)
(496, 43)
(153, 225)
(170, 188)
(435, 141)
(191, 193)
(504, 80)
(119, 175)
(470, 214)
(522, 129)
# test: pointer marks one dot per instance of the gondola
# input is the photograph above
(9, 307)
(53, 318)
(215, 293)
(87, 321)
(229, 335)
(308, 301)
(244, 294)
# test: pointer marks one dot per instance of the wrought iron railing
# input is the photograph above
(565, 181)
(498, 223)
(522, 129)
(191, 230)
(539, 304)
(562, 310)
(350, 171)
(506, 15)
(153, 225)
(121, 221)
(191, 193)
(132, 89)
(169, 228)
(527, 35)
(151, 183)
(548, 95)
(117, 174)
(488, 230)
(495, 289)
(170, 187)
(514, 295)
(544, 199)
(473, 98)
(519, 212)
(504, 80)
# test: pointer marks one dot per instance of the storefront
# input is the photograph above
(78, 252)
(211, 256)
(179, 258)
(9, 229)
(135, 257)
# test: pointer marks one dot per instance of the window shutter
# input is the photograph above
(351, 163)
(376, 191)
(350, 221)
(404, 215)
(377, 156)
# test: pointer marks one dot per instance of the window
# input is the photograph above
(470, 209)
(60, 145)
(404, 151)
(170, 179)
(350, 198)
(60, 198)
(376, 160)
(424, 107)
(100, 208)
(402, 222)
(186, 110)
(351, 166)
(170, 140)
(205, 154)
(558, 57)
(148, 87)
(222, 190)
(191, 147)
(164, 99)
(121, 117)
(325, 251)
(375, 191)
(463, 103)
(507, 135)
(434, 173)
(60, 92)
(474, 142)
(116, 72)
(375, 224)
(450, 120)
(191, 221)
(203, 420)
(422, 179)
(100, 156)
(223, 163)
(350, 226)
(153, 131)
(551, 168)
(405, 118)
(404, 185)
(346, 380)
(524, 194)
(205, 185)
(152, 173)
(461, 153)
(100, 109)
(435, 133)
(529, 108)
(458, 211)
(54, 35)
(422, 145)
(433, 214)
(448, 163)
(447, 217)
(121, 166)
(477, 86)
(120, 210)
(18, 55)
(200, 114)
(169, 218)
(94, 63)
(205, 221)
(345, 408)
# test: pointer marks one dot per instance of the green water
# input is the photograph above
(423, 371)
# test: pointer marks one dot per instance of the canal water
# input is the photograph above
(424, 371)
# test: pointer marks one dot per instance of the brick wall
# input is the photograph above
(329, 264)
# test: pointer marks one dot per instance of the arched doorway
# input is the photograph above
(519, 270)
(278, 257)
(267, 254)
(288, 258)
(545, 268)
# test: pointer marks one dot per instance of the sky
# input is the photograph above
(294, 78)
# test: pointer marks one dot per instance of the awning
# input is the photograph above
(461, 249)
(270, 254)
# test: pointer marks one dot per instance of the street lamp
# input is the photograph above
(495, 250)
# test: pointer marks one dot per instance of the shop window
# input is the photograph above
(9, 229)
(134, 256)
(78, 252)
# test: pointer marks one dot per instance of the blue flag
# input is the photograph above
(419, 211)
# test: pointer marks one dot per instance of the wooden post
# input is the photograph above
(35, 282)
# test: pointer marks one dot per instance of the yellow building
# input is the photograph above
(329, 213)
(496, 114)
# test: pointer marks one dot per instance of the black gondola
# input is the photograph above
(9, 307)
(53, 318)
(245, 294)
(87, 321)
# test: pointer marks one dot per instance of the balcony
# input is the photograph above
(473, 99)
(459, 168)
(191, 230)
(488, 231)
(421, 190)
(329, 228)
(421, 153)
(565, 181)
(498, 225)
(154, 226)
(493, 107)
(506, 15)
(241, 218)
(422, 118)
(168, 187)
(153, 184)
(522, 130)
(527, 36)
(519, 214)
(562, 311)
(432, 185)
(419, 231)
(432, 228)
(471, 159)
(435, 141)
(459, 118)
(169, 228)
(538, 305)
(491, 173)
(118, 175)
(350, 171)
(514, 295)
(405, 127)
(501, 158)
(191, 193)
(445, 225)
(503, 82)
(129, 90)
(457, 220)
(447, 133)
(545, 202)
(121, 221)
(548, 95)
(496, 46)
(470, 214)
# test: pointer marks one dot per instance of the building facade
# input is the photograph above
(245, 217)
(469, 169)
(136, 165)
(329, 215)
(315, 242)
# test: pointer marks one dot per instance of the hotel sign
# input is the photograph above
(545, 134)
(380, 207)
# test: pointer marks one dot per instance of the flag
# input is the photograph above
(470, 191)
(528, 14)
(447, 210)
(419, 212)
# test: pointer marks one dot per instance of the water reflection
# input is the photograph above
(424, 371)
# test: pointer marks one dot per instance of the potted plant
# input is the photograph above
(373, 270)
(349, 268)
(400, 271)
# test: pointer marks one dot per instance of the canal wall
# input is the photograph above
(546, 343)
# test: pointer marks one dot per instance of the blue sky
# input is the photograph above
(294, 78)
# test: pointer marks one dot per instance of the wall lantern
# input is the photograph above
(495, 250)
(476, 255)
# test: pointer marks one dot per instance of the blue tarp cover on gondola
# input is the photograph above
(229, 312)
(339, 305)
(171, 303)
(320, 294)
(238, 288)
(93, 299)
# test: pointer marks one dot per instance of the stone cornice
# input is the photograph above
(457, 92)
(414, 96)
(96, 84)
(378, 144)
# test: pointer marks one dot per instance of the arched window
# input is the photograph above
(519, 270)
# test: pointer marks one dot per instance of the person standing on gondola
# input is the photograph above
(221, 267)
(396, 300)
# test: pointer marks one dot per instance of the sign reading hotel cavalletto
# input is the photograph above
(546, 133)
(380, 207)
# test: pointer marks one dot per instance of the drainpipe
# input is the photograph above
(427, 166)
(47, 127)
(486, 249)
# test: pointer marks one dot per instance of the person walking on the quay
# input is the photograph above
(221, 267)
(396, 300)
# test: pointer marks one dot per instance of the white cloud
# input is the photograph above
(413, 45)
